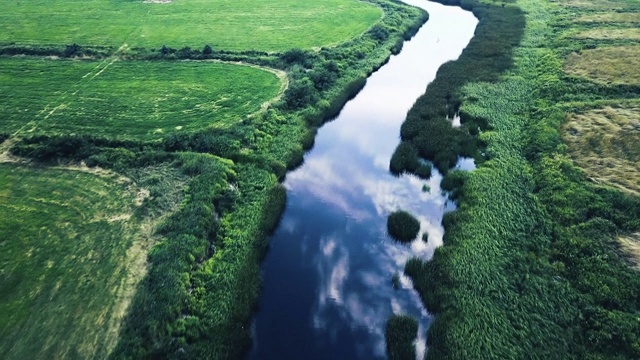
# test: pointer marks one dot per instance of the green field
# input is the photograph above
(85, 271)
(224, 24)
(127, 99)
(72, 252)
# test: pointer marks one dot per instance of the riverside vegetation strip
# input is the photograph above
(535, 262)
(201, 280)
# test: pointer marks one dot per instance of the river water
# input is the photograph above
(327, 278)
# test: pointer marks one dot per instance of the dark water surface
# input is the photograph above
(327, 289)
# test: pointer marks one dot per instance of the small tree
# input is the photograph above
(73, 50)
(207, 50)
(402, 226)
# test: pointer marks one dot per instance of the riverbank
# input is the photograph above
(530, 265)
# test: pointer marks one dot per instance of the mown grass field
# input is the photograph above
(227, 24)
(610, 34)
(610, 17)
(128, 99)
(611, 65)
(605, 143)
(71, 257)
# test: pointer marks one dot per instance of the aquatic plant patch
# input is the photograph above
(402, 226)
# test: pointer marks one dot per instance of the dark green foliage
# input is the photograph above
(379, 33)
(402, 226)
(73, 50)
(4, 136)
(325, 75)
(295, 56)
(395, 281)
(300, 94)
(207, 50)
(424, 171)
(400, 333)
(187, 240)
(164, 50)
(453, 182)
(487, 55)
(404, 158)
(223, 142)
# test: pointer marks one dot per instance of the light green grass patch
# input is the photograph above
(610, 17)
(615, 65)
(71, 255)
(228, 24)
(591, 4)
(630, 244)
(604, 143)
(128, 99)
(609, 34)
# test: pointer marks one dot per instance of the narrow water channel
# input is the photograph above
(327, 289)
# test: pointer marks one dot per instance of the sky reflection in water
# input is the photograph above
(327, 289)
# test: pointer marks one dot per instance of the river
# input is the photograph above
(327, 288)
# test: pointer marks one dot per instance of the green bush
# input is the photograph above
(399, 334)
(402, 226)
(404, 159)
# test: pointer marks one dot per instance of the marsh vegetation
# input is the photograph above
(533, 263)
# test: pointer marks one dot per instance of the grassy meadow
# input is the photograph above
(72, 254)
(224, 24)
(128, 99)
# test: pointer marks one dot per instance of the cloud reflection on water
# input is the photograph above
(343, 194)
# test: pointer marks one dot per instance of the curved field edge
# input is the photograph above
(130, 99)
(223, 24)
(73, 238)
(530, 266)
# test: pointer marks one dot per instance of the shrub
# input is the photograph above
(400, 333)
(73, 50)
(379, 33)
(402, 226)
(300, 94)
(404, 159)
